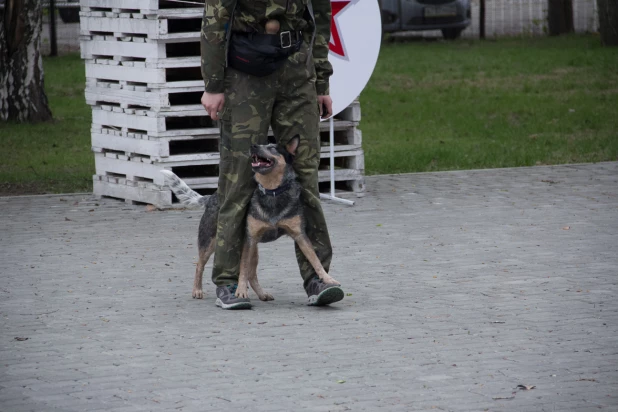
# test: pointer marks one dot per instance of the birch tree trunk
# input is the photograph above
(22, 93)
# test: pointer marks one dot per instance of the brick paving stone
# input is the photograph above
(460, 286)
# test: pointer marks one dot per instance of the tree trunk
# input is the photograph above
(22, 93)
(560, 17)
(608, 21)
(4, 71)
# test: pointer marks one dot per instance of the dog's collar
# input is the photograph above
(275, 192)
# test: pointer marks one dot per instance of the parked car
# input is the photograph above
(449, 16)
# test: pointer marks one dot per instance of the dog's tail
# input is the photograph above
(184, 193)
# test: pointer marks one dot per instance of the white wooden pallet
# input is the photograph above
(124, 94)
(175, 62)
(138, 166)
(128, 37)
(346, 132)
(160, 149)
(161, 196)
(132, 166)
(172, 28)
(143, 73)
(151, 123)
(353, 180)
(132, 98)
(130, 192)
(130, 158)
(351, 113)
(341, 175)
(146, 7)
(148, 124)
(127, 95)
(168, 74)
(158, 152)
(183, 13)
(182, 134)
(155, 148)
(145, 49)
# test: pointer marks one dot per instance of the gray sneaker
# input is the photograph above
(321, 293)
(227, 300)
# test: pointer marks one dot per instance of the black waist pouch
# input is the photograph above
(258, 54)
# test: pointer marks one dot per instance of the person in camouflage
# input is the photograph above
(291, 100)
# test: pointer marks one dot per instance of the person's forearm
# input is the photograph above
(217, 14)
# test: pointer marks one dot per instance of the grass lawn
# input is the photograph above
(430, 105)
(51, 157)
(509, 102)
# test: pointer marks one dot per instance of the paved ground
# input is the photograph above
(461, 286)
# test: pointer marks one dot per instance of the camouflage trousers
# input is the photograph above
(287, 101)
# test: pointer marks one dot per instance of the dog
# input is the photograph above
(275, 210)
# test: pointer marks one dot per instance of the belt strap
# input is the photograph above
(286, 40)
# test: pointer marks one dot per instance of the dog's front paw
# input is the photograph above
(266, 297)
(242, 294)
(198, 293)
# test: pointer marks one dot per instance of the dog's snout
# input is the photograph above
(254, 147)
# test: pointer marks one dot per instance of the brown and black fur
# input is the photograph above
(208, 224)
(273, 212)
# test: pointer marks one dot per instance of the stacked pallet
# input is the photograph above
(144, 84)
(348, 153)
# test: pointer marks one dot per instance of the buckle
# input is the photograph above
(287, 35)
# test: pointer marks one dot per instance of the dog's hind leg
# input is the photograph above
(253, 280)
(204, 255)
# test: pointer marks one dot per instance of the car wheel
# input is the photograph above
(451, 34)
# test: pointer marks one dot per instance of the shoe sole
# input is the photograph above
(326, 297)
(233, 306)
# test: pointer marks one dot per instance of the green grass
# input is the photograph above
(52, 157)
(471, 104)
(429, 106)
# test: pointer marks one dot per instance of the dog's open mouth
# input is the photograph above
(258, 161)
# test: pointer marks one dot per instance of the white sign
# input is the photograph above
(356, 33)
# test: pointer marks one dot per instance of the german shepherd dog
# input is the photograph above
(275, 210)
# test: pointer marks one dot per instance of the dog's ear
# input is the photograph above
(292, 145)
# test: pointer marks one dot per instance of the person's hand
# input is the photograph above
(326, 106)
(213, 103)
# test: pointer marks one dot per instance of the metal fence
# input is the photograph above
(503, 18)
(67, 36)
(527, 17)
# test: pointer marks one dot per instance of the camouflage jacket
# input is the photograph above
(251, 15)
